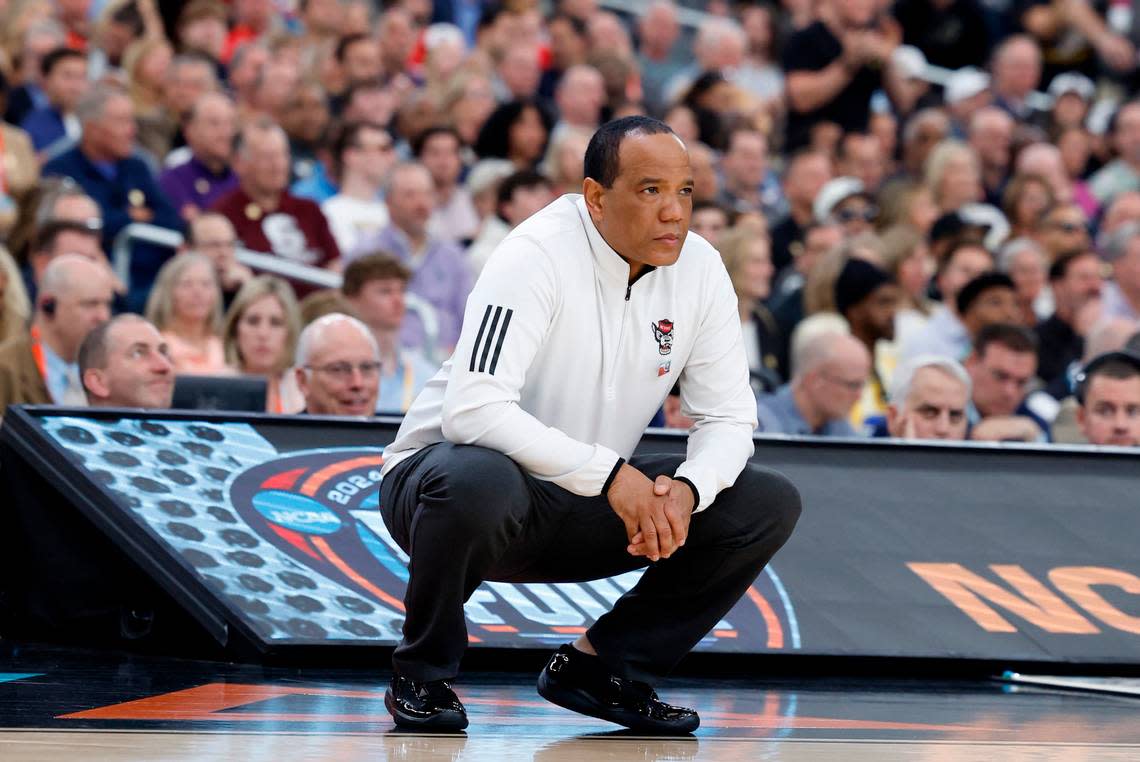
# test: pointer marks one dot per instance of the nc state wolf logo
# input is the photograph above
(663, 332)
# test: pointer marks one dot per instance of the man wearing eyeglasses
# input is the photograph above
(831, 371)
(846, 202)
(338, 367)
(1063, 229)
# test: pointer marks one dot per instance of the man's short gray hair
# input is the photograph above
(1115, 244)
(310, 337)
(904, 375)
(94, 102)
(1013, 249)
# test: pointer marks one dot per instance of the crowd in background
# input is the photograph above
(930, 210)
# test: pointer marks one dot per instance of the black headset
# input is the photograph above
(48, 306)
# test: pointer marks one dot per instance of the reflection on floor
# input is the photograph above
(57, 704)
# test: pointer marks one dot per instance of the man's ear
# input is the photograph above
(302, 381)
(595, 196)
(894, 419)
(95, 384)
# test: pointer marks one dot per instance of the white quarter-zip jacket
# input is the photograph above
(562, 363)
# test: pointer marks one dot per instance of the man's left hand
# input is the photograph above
(678, 510)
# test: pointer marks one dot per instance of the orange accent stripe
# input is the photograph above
(725, 633)
(569, 630)
(349, 572)
(473, 639)
(500, 628)
(775, 630)
(314, 482)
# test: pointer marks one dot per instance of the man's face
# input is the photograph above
(746, 160)
(187, 83)
(381, 303)
(817, 242)
(1018, 69)
(645, 216)
(264, 165)
(362, 61)
(934, 409)
(967, 263)
(581, 98)
(66, 83)
(864, 159)
(1082, 282)
(525, 201)
(215, 238)
(85, 304)
(411, 200)
(210, 134)
(566, 46)
(343, 376)
(856, 214)
(1001, 378)
(1126, 270)
(838, 384)
(322, 16)
(115, 129)
(84, 244)
(1111, 413)
(991, 138)
(877, 311)
(139, 372)
(806, 177)
(520, 71)
(1065, 229)
(994, 305)
(1127, 133)
(441, 157)
(709, 223)
(371, 155)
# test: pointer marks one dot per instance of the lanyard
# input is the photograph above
(38, 352)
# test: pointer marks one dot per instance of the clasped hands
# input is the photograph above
(655, 513)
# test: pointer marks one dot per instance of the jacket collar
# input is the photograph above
(608, 261)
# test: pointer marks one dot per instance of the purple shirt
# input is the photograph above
(440, 277)
(194, 183)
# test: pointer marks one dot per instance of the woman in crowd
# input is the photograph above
(907, 257)
(747, 256)
(954, 176)
(564, 160)
(186, 306)
(1025, 199)
(1025, 262)
(260, 337)
(517, 131)
(19, 169)
(905, 202)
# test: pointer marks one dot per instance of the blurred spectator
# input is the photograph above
(988, 299)
(923, 132)
(146, 63)
(338, 367)
(125, 362)
(747, 257)
(1124, 208)
(1122, 294)
(829, 372)
(709, 221)
(39, 367)
(519, 195)
(358, 60)
(944, 334)
(1024, 261)
(305, 118)
(966, 92)
(1122, 174)
(15, 307)
(579, 96)
(55, 239)
(954, 176)
(906, 202)
(861, 156)
(845, 202)
(1072, 31)
(564, 162)
(568, 47)
(212, 235)
(760, 74)
(929, 398)
(327, 301)
(206, 175)
(718, 47)
(907, 258)
(1016, 71)
(364, 156)
(20, 168)
(991, 135)
(40, 38)
(1025, 199)
(1108, 391)
(103, 165)
(1044, 160)
(190, 77)
(868, 299)
(482, 185)
(186, 306)
(1063, 229)
(658, 32)
(260, 337)
(748, 184)
(251, 20)
(202, 30)
(702, 159)
(1072, 95)
(375, 286)
(517, 131)
(950, 33)
(518, 73)
(454, 218)
(1001, 367)
(1108, 336)
(788, 300)
(64, 82)
(1076, 282)
(265, 215)
(441, 276)
(833, 67)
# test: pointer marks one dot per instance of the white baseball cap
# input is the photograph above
(1072, 82)
(965, 83)
(832, 194)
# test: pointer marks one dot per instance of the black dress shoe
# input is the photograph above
(579, 682)
(431, 705)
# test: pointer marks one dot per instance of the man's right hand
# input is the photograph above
(632, 497)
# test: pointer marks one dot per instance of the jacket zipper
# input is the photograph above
(611, 393)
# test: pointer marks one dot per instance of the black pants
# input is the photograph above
(466, 514)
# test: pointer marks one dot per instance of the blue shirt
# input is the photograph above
(59, 374)
(399, 390)
(778, 414)
(44, 126)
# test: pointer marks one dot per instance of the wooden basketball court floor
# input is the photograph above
(60, 704)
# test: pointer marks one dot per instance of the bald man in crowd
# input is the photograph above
(831, 370)
(930, 395)
(125, 362)
(338, 367)
(40, 367)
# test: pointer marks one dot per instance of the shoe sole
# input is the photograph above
(441, 721)
(583, 703)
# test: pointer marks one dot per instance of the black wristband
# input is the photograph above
(612, 476)
(693, 487)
